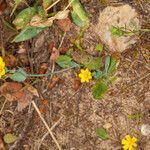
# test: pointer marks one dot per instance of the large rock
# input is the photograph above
(121, 16)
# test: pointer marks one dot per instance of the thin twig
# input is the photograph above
(68, 5)
(140, 79)
(136, 81)
(52, 5)
(3, 106)
(53, 66)
(46, 134)
(61, 42)
(46, 125)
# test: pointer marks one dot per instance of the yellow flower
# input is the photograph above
(129, 143)
(2, 67)
(85, 75)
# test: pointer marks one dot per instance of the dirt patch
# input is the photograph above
(78, 112)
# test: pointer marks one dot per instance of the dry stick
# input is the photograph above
(52, 5)
(46, 125)
(68, 5)
(138, 80)
(3, 106)
(46, 134)
(53, 66)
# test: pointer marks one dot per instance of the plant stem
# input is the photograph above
(56, 72)
(145, 30)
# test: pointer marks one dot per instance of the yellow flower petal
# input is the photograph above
(125, 147)
(2, 67)
(130, 148)
(135, 145)
(128, 137)
(80, 75)
(82, 70)
(85, 75)
(3, 72)
(124, 141)
(82, 80)
(129, 143)
(134, 139)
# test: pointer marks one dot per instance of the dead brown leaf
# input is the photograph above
(51, 45)
(54, 55)
(63, 50)
(33, 91)
(24, 59)
(22, 49)
(13, 91)
(10, 88)
(38, 21)
(76, 84)
(55, 80)
(3, 6)
(64, 24)
(43, 68)
(10, 61)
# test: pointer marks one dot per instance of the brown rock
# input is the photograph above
(123, 16)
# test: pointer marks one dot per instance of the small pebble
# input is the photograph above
(145, 129)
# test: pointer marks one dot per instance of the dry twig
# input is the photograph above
(46, 134)
(46, 125)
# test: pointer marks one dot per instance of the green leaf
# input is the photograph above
(24, 17)
(107, 63)
(97, 74)
(92, 63)
(9, 138)
(79, 13)
(76, 20)
(19, 75)
(77, 41)
(113, 65)
(65, 61)
(116, 31)
(78, 44)
(99, 47)
(135, 116)
(9, 25)
(102, 133)
(99, 90)
(69, 52)
(28, 33)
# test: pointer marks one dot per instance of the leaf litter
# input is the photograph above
(13, 91)
(72, 98)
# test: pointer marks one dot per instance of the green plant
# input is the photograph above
(32, 20)
(102, 133)
(121, 31)
(103, 78)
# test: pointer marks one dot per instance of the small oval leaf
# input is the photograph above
(102, 133)
(19, 75)
(65, 61)
(9, 138)
(28, 33)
